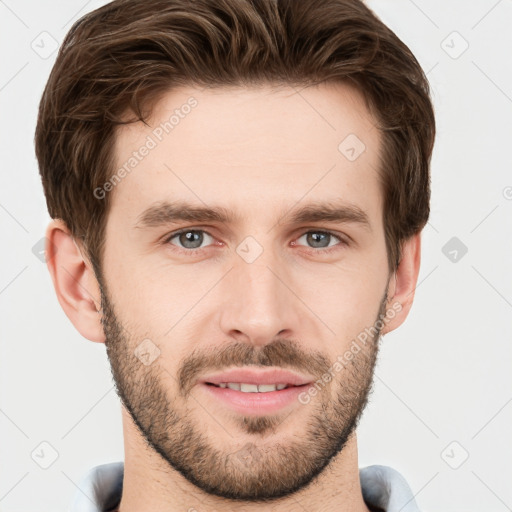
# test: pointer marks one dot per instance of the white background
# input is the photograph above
(443, 384)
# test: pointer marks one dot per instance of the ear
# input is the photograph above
(74, 281)
(402, 286)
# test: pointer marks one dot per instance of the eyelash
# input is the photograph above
(193, 252)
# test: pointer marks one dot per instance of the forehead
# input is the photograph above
(250, 148)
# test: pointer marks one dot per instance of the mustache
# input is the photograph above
(281, 353)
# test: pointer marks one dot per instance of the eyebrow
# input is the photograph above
(165, 212)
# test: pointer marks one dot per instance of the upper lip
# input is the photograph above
(253, 376)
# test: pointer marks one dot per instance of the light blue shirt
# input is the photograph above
(382, 486)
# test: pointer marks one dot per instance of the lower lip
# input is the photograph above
(256, 403)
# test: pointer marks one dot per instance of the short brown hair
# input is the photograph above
(121, 57)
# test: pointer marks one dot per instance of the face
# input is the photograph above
(277, 262)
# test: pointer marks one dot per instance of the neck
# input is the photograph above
(150, 483)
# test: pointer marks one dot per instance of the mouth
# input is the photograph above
(251, 392)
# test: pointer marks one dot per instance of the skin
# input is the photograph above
(296, 306)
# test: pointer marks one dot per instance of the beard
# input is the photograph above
(258, 471)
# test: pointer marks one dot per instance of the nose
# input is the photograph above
(260, 302)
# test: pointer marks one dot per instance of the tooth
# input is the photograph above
(249, 388)
(263, 388)
(252, 388)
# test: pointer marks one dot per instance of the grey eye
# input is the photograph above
(319, 239)
(190, 239)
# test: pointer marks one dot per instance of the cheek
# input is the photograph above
(345, 304)
(346, 297)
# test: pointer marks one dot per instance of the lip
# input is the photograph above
(256, 403)
(253, 404)
(253, 376)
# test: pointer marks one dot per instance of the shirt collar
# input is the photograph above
(382, 486)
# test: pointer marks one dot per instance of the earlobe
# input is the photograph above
(74, 281)
(403, 285)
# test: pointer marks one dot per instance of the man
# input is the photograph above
(237, 190)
